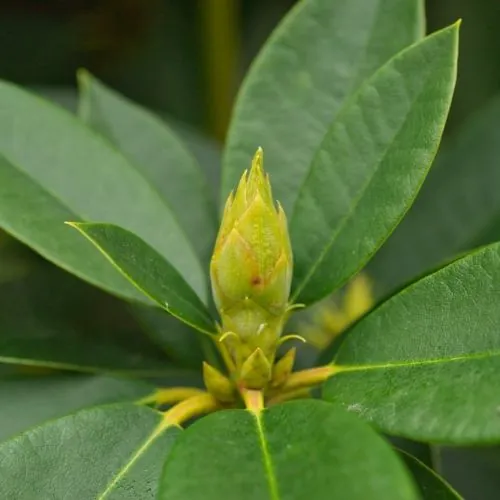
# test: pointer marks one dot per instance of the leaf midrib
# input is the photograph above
(157, 432)
(357, 200)
(266, 457)
(408, 364)
(140, 372)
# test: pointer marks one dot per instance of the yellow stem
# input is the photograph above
(254, 400)
(191, 407)
(170, 396)
(307, 378)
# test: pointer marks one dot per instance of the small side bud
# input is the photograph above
(256, 371)
(217, 384)
(283, 368)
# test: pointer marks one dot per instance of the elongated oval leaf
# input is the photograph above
(426, 363)
(430, 484)
(154, 149)
(57, 166)
(457, 207)
(147, 270)
(310, 66)
(106, 453)
(303, 449)
(371, 165)
(45, 320)
(45, 232)
(31, 400)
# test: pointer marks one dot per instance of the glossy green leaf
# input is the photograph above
(154, 149)
(430, 484)
(147, 270)
(371, 164)
(112, 452)
(45, 320)
(311, 65)
(302, 449)
(54, 169)
(457, 209)
(425, 364)
(30, 400)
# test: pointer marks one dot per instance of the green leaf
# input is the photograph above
(149, 272)
(425, 363)
(55, 169)
(47, 321)
(112, 453)
(153, 148)
(311, 65)
(457, 206)
(430, 484)
(371, 165)
(178, 340)
(301, 449)
(28, 401)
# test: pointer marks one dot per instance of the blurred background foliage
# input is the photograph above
(185, 59)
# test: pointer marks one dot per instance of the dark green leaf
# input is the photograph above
(154, 149)
(431, 485)
(28, 401)
(45, 320)
(55, 169)
(457, 207)
(302, 449)
(311, 65)
(149, 272)
(179, 341)
(474, 472)
(425, 364)
(371, 165)
(112, 453)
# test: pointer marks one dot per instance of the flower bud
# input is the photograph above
(283, 368)
(251, 267)
(217, 384)
(256, 370)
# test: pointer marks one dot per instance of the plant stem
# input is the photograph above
(221, 43)
(173, 395)
(307, 378)
(191, 407)
(254, 400)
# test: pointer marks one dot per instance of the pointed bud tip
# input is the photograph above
(256, 370)
(257, 168)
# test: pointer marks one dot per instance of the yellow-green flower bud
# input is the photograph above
(283, 368)
(217, 384)
(251, 267)
(256, 370)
